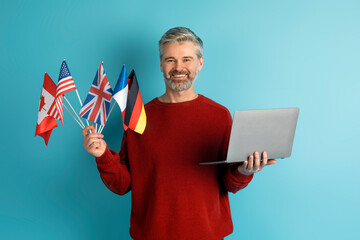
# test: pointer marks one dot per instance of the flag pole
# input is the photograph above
(108, 116)
(73, 117)
(101, 128)
(77, 93)
(74, 111)
(111, 109)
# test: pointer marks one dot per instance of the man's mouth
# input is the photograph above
(179, 76)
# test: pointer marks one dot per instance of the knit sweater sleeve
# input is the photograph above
(114, 169)
(233, 180)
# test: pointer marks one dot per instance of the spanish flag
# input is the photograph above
(135, 117)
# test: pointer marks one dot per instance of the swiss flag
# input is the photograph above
(45, 123)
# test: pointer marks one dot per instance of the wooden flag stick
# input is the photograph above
(101, 128)
(74, 111)
(73, 116)
(108, 116)
(111, 109)
(77, 93)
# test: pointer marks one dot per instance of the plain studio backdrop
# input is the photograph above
(258, 54)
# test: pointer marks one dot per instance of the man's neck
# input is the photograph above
(178, 96)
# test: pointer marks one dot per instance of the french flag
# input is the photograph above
(121, 90)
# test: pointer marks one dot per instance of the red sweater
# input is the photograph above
(173, 197)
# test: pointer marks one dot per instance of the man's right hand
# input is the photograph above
(94, 143)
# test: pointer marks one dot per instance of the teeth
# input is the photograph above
(178, 76)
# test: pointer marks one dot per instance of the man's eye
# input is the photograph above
(170, 60)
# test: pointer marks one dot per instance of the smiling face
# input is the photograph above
(180, 65)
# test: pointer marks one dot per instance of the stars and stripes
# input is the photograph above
(53, 111)
(65, 84)
(96, 107)
(97, 103)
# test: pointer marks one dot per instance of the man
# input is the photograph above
(173, 196)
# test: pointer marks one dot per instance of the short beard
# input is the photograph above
(184, 85)
(176, 87)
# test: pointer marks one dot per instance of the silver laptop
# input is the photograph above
(270, 130)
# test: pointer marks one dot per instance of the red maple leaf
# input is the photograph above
(42, 103)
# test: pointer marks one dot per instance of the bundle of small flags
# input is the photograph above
(96, 107)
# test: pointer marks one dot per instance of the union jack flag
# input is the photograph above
(97, 103)
(65, 84)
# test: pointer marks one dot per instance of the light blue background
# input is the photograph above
(258, 54)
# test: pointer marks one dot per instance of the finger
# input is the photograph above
(272, 161)
(242, 168)
(244, 165)
(257, 161)
(264, 159)
(100, 144)
(250, 163)
(93, 145)
(85, 130)
(89, 143)
(95, 135)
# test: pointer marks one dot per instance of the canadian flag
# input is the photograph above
(45, 123)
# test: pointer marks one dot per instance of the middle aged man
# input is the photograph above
(173, 196)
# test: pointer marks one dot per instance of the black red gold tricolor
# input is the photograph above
(135, 117)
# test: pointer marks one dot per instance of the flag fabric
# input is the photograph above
(65, 84)
(121, 90)
(135, 116)
(53, 111)
(97, 103)
(45, 123)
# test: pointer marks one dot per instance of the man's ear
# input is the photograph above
(201, 63)
(161, 69)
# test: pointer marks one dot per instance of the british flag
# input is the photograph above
(97, 103)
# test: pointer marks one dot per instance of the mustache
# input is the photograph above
(175, 72)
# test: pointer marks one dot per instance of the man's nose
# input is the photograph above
(178, 66)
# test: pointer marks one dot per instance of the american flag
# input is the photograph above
(65, 84)
(97, 103)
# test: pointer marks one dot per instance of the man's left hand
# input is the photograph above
(253, 164)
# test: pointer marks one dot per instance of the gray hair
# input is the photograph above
(178, 35)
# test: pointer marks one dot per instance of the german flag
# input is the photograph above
(135, 117)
